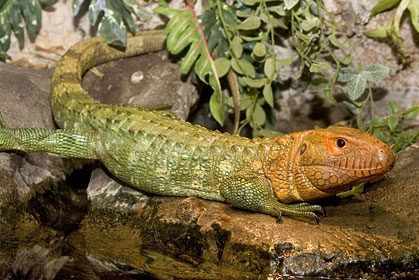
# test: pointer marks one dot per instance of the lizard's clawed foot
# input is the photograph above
(297, 210)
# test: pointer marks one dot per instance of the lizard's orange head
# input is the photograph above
(337, 158)
(329, 161)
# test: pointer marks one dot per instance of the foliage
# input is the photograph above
(113, 16)
(389, 129)
(244, 36)
(12, 13)
(392, 29)
(238, 42)
(185, 31)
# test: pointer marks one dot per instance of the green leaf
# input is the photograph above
(114, 16)
(254, 83)
(319, 84)
(356, 87)
(3, 56)
(309, 24)
(378, 122)
(12, 13)
(237, 47)
(374, 72)
(286, 61)
(216, 110)
(393, 121)
(279, 10)
(251, 23)
(245, 102)
(289, 4)
(259, 115)
(379, 33)
(347, 74)
(222, 65)
(335, 41)
(381, 135)
(316, 67)
(259, 50)
(414, 14)
(144, 14)
(411, 113)
(383, 6)
(268, 95)
(269, 67)
(247, 67)
(113, 31)
(33, 16)
(329, 96)
(394, 108)
(236, 67)
(242, 14)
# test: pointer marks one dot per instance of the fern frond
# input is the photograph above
(185, 31)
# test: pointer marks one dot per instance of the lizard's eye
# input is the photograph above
(303, 148)
(340, 143)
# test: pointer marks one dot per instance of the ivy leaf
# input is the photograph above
(356, 87)
(375, 72)
(185, 31)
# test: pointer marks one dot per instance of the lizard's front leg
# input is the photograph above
(255, 194)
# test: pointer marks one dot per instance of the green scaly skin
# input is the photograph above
(154, 152)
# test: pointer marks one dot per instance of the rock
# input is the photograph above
(148, 80)
(373, 235)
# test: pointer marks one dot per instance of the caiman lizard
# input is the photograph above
(154, 152)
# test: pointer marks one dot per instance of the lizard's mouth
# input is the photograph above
(342, 173)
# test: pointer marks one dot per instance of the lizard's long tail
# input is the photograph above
(68, 99)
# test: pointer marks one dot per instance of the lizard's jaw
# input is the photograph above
(341, 173)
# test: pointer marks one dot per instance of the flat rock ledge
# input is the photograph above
(124, 233)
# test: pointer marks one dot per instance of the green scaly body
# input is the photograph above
(155, 152)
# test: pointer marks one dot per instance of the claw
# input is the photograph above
(317, 219)
(278, 219)
(323, 212)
